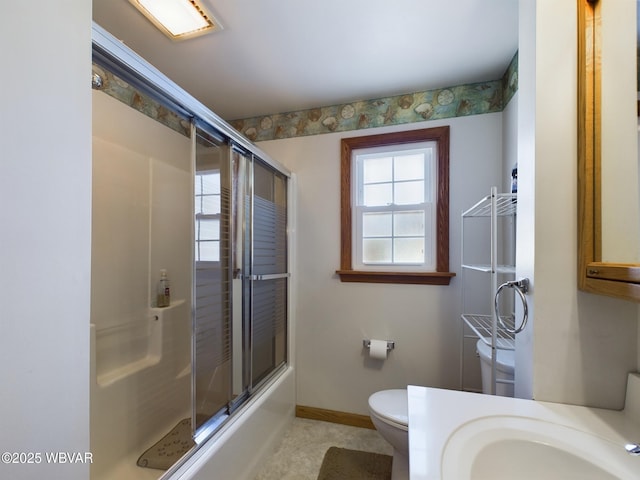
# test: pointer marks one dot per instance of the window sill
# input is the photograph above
(415, 278)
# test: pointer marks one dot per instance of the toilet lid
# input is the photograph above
(391, 405)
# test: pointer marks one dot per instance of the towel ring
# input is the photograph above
(521, 287)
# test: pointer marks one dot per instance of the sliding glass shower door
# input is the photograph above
(269, 271)
(241, 279)
(212, 279)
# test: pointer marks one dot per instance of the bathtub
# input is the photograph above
(459, 435)
(243, 444)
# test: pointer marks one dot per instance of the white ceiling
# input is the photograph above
(277, 56)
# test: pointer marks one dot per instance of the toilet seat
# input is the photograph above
(391, 406)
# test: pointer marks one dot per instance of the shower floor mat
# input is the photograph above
(170, 448)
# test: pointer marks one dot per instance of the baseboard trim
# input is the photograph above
(333, 416)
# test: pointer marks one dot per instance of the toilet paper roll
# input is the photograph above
(378, 349)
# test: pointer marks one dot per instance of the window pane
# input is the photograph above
(376, 250)
(409, 193)
(376, 225)
(209, 229)
(409, 250)
(376, 170)
(376, 195)
(211, 183)
(210, 204)
(209, 251)
(409, 167)
(408, 224)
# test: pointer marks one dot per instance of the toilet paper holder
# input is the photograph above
(390, 344)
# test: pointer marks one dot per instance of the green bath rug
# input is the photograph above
(342, 463)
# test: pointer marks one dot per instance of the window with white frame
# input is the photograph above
(394, 215)
(393, 199)
(207, 212)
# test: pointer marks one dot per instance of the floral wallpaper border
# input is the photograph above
(456, 101)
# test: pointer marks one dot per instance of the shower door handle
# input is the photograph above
(272, 276)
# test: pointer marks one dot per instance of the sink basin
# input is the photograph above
(507, 447)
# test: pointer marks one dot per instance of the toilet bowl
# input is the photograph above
(390, 415)
(505, 363)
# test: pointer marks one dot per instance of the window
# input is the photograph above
(395, 208)
(207, 208)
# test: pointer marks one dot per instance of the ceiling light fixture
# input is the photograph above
(178, 19)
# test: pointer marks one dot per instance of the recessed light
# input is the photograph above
(178, 19)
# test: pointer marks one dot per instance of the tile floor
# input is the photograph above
(300, 454)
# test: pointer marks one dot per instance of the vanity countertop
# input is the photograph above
(435, 414)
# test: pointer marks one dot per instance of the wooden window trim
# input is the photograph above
(442, 275)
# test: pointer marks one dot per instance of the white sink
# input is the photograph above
(457, 435)
(507, 447)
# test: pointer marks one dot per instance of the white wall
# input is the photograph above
(578, 347)
(333, 317)
(45, 193)
(510, 141)
(525, 243)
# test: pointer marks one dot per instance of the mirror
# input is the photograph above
(619, 132)
(608, 207)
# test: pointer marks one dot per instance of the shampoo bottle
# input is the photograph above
(164, 290)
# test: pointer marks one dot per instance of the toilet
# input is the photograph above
(505, 363)
(389, 412)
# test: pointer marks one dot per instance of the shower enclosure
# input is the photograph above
(175, 188)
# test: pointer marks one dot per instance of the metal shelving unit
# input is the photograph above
(482, 319)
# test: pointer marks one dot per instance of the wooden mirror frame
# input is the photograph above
(621, 280)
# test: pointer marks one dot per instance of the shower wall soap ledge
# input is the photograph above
(173, 304)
